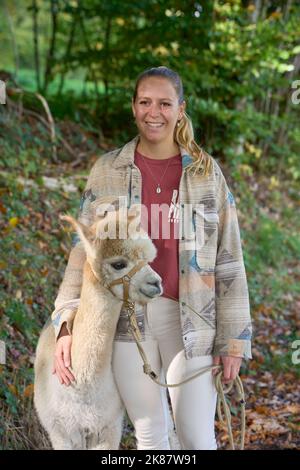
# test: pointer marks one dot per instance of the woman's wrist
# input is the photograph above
(63, 331)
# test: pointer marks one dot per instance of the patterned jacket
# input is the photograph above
(212, 277)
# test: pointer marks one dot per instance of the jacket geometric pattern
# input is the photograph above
(212, 277)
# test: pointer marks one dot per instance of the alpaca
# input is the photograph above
(89, 413)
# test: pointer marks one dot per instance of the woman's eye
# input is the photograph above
(146, 102)
(119, 265)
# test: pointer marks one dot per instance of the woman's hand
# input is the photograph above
(62, 359)
(231, 367)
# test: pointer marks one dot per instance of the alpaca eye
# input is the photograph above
(119, 265)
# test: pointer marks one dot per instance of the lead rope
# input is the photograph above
(221, 399)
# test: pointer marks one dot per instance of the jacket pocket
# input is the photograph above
(206, 238)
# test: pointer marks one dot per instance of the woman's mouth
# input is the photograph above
(154, 125)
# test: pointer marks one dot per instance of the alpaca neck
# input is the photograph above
(94, 328)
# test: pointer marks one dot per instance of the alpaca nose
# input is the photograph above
(155, 284)
(152, 287)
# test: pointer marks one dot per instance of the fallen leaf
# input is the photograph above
(28, 392)
(13, 389)
(13, 221)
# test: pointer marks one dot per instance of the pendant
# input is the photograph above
(158, 190)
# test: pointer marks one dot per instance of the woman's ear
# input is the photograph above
(132, 107)
(182, 109)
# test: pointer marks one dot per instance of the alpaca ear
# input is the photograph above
(85, 234)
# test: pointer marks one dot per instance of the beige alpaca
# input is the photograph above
(89, 413)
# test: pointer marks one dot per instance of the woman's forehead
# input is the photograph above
(158, 87)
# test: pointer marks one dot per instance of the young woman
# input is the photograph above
(164, 167)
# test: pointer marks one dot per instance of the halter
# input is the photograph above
(125, 280)
(128, 304)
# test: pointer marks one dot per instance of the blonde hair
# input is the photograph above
(183, 133)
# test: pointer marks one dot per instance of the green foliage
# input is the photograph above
(271, 244)
(237, 64)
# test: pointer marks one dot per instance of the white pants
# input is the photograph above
(193, 404)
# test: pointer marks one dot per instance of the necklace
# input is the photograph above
(158, 188)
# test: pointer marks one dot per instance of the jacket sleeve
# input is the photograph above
(67, 300)
(234, 327)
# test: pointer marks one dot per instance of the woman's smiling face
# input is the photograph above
(156, 109)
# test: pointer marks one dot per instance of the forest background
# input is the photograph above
(69, 69)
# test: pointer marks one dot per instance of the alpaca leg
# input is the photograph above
(63, 440)
(109, 438)
(60, 441)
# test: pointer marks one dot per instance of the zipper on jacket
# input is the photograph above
(131, 166)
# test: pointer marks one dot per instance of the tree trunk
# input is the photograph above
(50, 56)
(106, 68)
(13, 40)
(256, 12)
(89, 50)
(287, 9)
(67, 54)
(35, 12)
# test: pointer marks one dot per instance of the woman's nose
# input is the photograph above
(154, 110)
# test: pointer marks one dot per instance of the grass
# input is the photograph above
(26, 79)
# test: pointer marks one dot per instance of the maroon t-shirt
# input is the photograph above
(162, 225)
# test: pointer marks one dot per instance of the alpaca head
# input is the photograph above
(114, 244)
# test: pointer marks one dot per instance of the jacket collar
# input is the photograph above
(126, 155)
